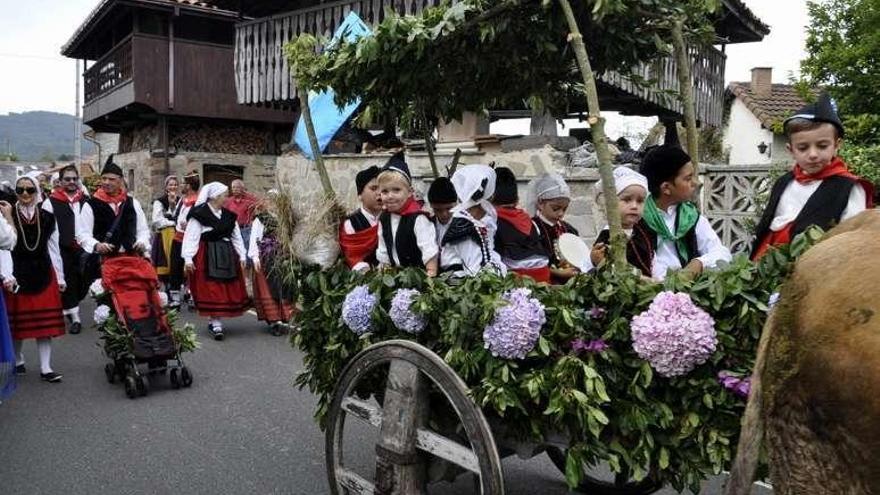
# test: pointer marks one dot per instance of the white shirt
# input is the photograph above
(6, 262)
(193, 235)
(158, 220)
(76, 207)
(85, 228)
(710, 250)
(425, 238)
(441, 230)
(796, 195)
(257, 231)
(8, 236)
(469, 254)
(181, 218)
(360, 266)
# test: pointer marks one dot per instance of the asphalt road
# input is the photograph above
(241, 429)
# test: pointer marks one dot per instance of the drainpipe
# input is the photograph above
(86, 135)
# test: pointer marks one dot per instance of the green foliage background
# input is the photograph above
(611, 406)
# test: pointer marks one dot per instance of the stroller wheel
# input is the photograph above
(186, 378)
(175, 379)
(110, 372)
(142, 385)
(130, 387)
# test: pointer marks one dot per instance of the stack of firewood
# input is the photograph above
(214, 139)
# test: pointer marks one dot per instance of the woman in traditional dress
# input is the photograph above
(163, 220)
(214, 258)
(33, 276)
(273, 305)
(7, 351)
(176, 278)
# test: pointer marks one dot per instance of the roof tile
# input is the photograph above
(784, 100)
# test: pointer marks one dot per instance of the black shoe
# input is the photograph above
(51, 377)
(75, 328)
(216, 331)
(20, 369)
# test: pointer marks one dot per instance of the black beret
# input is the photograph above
(662, 164)
(505, 187)
(364, 177)
(442, 191)
(112, 168)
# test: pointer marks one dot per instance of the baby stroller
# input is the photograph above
(134, 291)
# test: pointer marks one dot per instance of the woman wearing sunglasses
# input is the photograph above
(33, 277)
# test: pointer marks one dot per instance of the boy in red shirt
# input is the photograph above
(819, 190)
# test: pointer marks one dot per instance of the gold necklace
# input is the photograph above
(21, 223)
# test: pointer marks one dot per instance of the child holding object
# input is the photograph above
(819, 190)
(407, 237)
(468, 245)
(632, 190)
(550, 197)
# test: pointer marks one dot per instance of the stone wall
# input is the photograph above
(148, 170)
(299, 176)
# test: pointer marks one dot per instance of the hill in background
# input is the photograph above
(39, 136)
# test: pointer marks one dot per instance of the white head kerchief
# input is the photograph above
(474, 185)
(623, 178)
(546, 186)
(34, 177)
(210, 191)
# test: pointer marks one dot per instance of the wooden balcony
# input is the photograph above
(109, 72)
(262, 75)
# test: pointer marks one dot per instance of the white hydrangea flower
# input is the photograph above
(97, 288)
(102, 312)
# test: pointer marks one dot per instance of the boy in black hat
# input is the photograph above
(681, 237)
(359, 235)
(407, 237)
(819, 190)
(518, 239)
(442, 198)
(99, 231)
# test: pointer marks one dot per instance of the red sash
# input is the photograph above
(538, 274)
(360, 245)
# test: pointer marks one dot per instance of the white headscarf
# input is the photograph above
(34, 177)
(546, 186)
(474, 185)
(623, 178)
(210, 191)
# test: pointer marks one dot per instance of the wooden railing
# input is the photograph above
(108, 72)
(707, 72)
(263, 76)
(262, 73)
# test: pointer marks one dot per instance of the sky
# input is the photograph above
(34, 76)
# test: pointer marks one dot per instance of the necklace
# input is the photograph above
(22, 220)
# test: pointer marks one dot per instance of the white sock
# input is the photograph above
(73, 314)
(215, 323)
(175, 296)
(44, 346)
(19, 356)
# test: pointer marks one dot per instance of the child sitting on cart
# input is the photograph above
(518, 240)
(469, 241)
(550, 197)
(407, 237)
(358, 236)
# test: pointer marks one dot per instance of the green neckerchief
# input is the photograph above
(687, 218)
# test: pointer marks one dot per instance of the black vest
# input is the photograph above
(404, 240)
(31, 268)
(222, 228)
(550, 234)
(167, 211)
(639, 248)
(690, 241)
(512, 244)
(125, 234)
(823, 209)
(66, 221)
(460, 230)
(359, 221)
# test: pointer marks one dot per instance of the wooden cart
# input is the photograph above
(407, 446)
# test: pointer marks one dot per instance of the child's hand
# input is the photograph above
(597, 254)
(694, 268)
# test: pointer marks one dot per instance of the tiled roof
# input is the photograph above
(783, 101)
(740, 7)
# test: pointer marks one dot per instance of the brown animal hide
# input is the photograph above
(817, 388)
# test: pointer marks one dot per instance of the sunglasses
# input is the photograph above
(22, 190)
(70, 179)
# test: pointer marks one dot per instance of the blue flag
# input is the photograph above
(326, 116)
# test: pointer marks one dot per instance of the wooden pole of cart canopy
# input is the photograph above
(686, 90)
(313, 143)
(597, 129)
(429, 144)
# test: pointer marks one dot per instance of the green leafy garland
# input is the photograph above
(611, 405)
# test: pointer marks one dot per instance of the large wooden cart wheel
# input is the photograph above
(405, 442)
(595, 485)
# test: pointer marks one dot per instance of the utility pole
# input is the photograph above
(77, 126)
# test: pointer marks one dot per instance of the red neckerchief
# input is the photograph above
(102, 195)
(835, 168)
(410, 207)
(517, 217)
(59, 194)
(190, 199)
(359, 246)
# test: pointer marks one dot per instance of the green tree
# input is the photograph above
(843, 49)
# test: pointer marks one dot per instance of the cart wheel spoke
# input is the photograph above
(362, 410)
(446, 449)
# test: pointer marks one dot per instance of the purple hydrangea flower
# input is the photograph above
(267, 247)
(516, 327)
(592, 346)
(402, 314)
(674, 335)
(737, 384)
(357, 309)
(597, 313)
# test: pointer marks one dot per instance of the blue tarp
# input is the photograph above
(326, 116)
